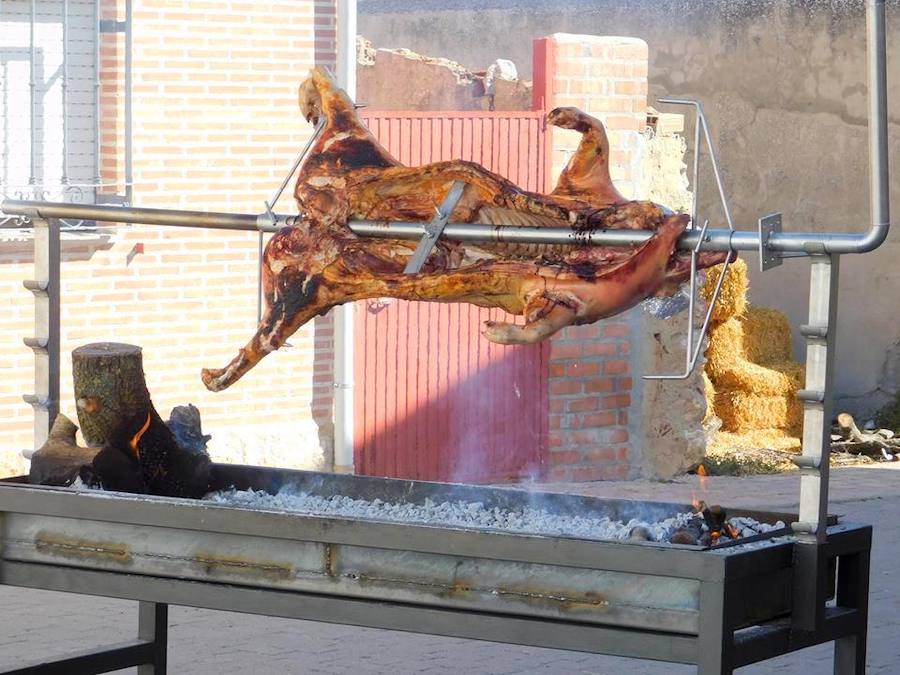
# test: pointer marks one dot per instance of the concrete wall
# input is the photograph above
(783, 85)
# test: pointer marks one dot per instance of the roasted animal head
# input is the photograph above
(319, 95)
(310, 101)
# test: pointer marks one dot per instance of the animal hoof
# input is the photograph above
(564, 118)
(212, 379)
(499, 332)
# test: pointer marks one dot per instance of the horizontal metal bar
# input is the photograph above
(88, 662)
(36, 343)
(37, 401)
(811, 396)
(119, 214)
(814, 332)
(808, 243)
(390, 615)
(36, 287)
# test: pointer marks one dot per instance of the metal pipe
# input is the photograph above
(131, 215)
(32, 84)
(129, 127)
(879, 178)
(64, 85)
(804, 243)
(344, 342)
(98, 146)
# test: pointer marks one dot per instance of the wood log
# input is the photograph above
(139, 452)
(860, 443)
(111, 394)
(847, 428)
(60, 460)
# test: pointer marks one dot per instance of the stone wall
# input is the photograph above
(783, 85)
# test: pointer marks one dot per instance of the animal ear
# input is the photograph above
(321, 78)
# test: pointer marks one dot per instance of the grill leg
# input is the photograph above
(716, 636)
(853, 591)
(850, 655)
(153, 626)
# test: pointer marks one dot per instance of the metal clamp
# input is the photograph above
(768, 225)
(434, 229)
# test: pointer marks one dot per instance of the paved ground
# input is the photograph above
(203, 642)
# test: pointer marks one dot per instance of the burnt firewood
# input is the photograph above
(60, 459)
(184, 422)
(139, 452)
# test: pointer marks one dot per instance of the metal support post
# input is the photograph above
(716, 639)
(129, 116)
(853, 591)
(153, 627)
(45, 342)
(810, 582)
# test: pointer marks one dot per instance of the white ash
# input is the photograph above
(472, 515)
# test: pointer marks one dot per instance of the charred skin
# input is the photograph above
(311, 268)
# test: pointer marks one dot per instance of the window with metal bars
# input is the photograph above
(50, 102)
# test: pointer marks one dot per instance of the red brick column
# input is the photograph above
(590, 372)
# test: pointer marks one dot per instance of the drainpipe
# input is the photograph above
(343, 315)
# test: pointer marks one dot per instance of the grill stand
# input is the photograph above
(148, 652)
(717, 650)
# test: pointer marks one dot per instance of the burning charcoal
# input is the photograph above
(684, 536)
(640, 533)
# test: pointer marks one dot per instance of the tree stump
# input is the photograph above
(139, 452)
(110, 391)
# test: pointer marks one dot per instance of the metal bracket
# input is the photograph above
(692, 351)
(434, 229)
(768, 225)
(112, 26)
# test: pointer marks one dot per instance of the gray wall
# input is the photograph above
(783, 84)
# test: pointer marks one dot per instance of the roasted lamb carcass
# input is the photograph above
(312, 267)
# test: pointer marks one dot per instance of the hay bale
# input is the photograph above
(767, 335)
(769, 439)
(777, 379)
(733, 296)
(709, 393)
(743, 412)
(725, 348)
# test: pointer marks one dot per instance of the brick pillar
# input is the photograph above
(590, 371)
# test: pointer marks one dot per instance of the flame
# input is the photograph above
(696, 502)
(701, 471)
(133, 443)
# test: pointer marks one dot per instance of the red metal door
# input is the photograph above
(435, 400)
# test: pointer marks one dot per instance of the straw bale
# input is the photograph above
(742, 411)
(709, 393)
(733, 296)
(725, 348)
(770, 439)
(777, 379)
(767, 335)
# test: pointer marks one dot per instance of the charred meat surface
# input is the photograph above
(320, 263)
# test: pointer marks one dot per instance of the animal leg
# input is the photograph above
(292, 297)
(544, 317)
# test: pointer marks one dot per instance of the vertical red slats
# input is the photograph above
(434, 399)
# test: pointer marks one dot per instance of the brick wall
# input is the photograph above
(215, 127)
(590, 366)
